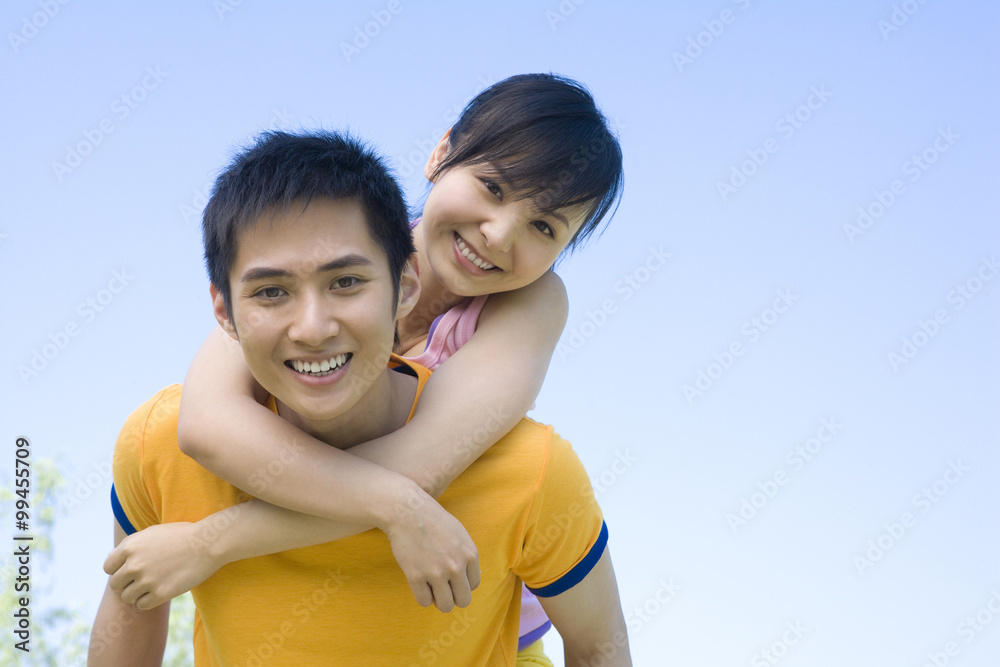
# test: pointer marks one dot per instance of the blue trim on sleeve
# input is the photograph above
(579, 571)
(120, 515)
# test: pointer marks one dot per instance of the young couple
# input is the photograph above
(309, 484)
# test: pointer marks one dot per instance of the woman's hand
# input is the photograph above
(435, 552)
(159, 563)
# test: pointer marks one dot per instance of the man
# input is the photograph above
(527, 503)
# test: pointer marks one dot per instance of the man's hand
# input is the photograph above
(159, 563)
(435, 552)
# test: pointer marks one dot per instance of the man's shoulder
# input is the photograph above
(158, 414)
(529, 429)
(152, 424)
(536, 445)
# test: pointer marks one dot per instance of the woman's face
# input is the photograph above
(480, 238)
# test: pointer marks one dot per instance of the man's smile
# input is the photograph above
(319, 368)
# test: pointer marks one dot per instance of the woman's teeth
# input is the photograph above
(320, 368)
(471, 256)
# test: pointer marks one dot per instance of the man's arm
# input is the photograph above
(124, 635)
(589, 619)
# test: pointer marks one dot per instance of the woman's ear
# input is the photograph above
(437, 155)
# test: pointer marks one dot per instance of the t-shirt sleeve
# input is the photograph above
(131, 498)
(565, 534)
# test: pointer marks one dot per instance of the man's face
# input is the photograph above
(313, 308)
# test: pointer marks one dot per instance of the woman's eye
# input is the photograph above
(494, 189)
(545, 228)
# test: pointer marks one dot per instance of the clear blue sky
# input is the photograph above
(793, 316)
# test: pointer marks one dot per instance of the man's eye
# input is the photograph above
(271, 292)
(346, 282)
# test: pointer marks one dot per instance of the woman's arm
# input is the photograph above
(153, 566)
(223, 426)
(468, 404)
(268, 457)
(450, 429)
(482, 391)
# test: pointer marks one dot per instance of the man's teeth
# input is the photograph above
(320, 367)
(471, 256)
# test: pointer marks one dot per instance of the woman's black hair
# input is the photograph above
(547, 140)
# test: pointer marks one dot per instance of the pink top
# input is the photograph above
(450, 331)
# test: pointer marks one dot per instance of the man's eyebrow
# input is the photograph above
(265, 272)
(345, 262)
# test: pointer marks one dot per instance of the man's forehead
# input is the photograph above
(312, 238)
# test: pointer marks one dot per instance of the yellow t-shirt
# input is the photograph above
(527, 503)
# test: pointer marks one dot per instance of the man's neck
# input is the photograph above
(384, 408)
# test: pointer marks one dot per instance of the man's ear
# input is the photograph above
(221, 314)
(437, 155)
(409, 289)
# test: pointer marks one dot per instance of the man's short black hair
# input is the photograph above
(283, 169)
